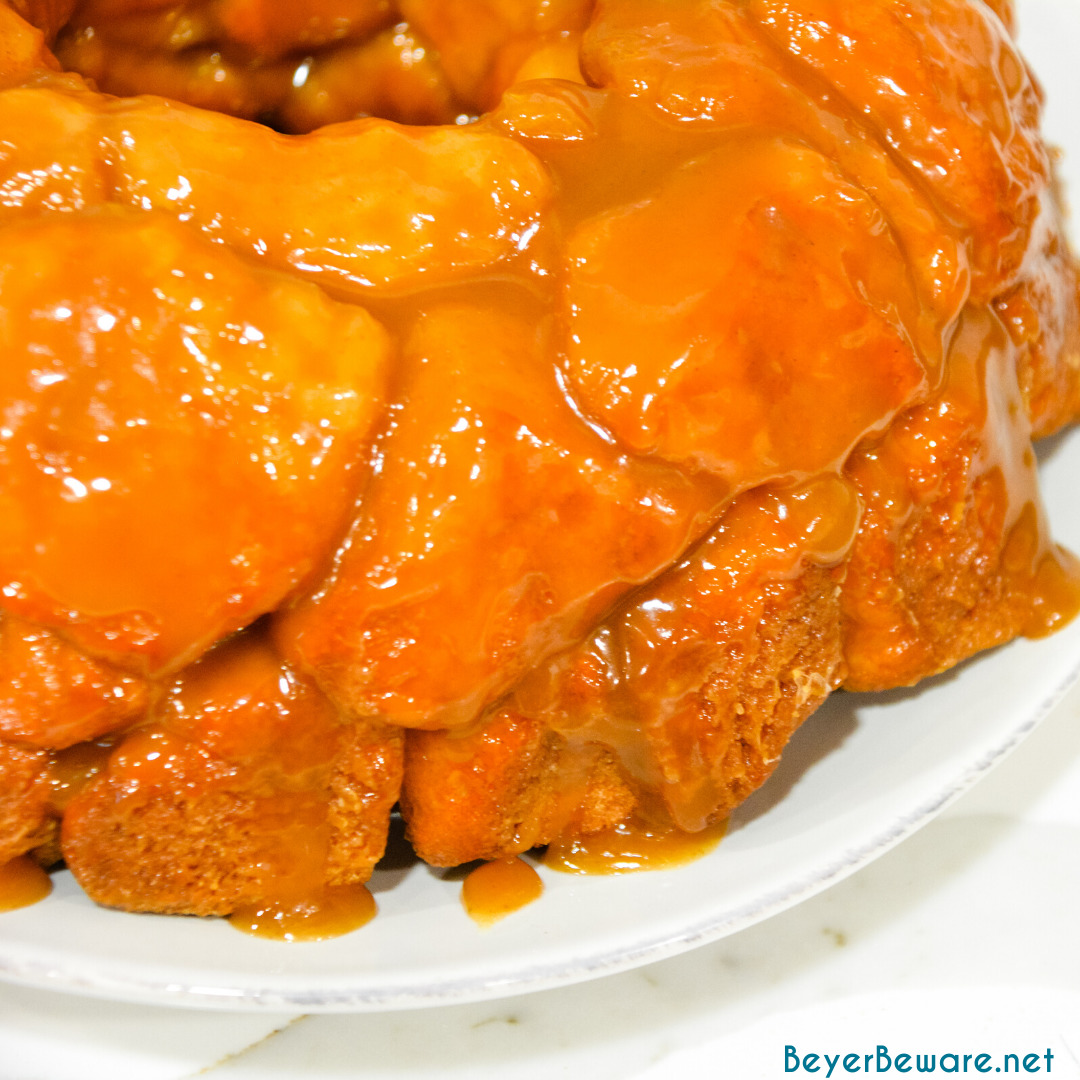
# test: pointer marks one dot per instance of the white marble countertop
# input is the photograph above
(964, 939)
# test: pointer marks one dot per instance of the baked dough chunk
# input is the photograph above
(26, 818)
(58, 710)
(949, 559)
(511, 785)
(246, 785)
(163, 382)
(498, 529)
(53, 696)
(696, 685)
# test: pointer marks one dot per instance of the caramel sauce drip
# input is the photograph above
(22, 883)
(1050, 573)
(1056, 595)
(497, 889)
(317, 915)
(632, 846)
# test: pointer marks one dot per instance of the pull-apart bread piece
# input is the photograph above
(535, 471)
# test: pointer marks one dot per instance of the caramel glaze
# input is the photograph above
(496, 889)
(22, 883)
(314, 914)
(548, 422)
(631, 846)
(53, 696)
(72, 769)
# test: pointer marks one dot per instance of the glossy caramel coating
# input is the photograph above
(674, 342)
(497, 529)
(22, 882)
(54, 696)
(496, 889)
(564, 460)
(162, 362)
(915, 74)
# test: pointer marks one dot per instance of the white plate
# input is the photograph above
(864, 773)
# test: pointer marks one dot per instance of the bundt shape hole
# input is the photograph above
(301, 66)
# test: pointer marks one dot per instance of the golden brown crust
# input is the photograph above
(150, 852)
(364, 786)
(26, 818)
(948, 559)
(212, 841)
(247, 783)
(510, 785)
(699, 680)
(765, 690)
(1042, 316)
(516, 783)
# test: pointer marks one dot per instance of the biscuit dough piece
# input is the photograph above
(1041, 314)
(497, 529)
(153, 380)
(26, 818)
(511, 785)
(679, 706)
(52, 696)
(697, 688)
(245, 786)
(951, 558)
